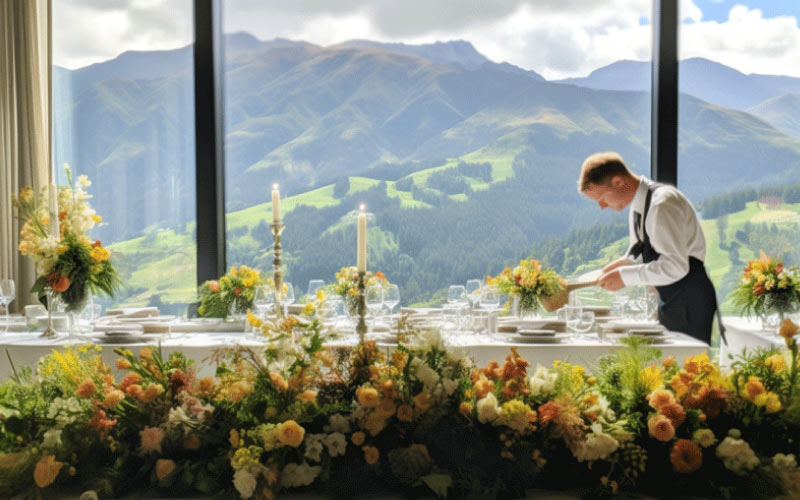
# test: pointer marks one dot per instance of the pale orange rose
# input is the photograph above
(371, 454)
(387, 408)
(358, 438)
(291, 433)
(367, 397)
(164, 468)
(46, 471)
(86, 389)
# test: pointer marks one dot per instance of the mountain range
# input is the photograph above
(420, 119)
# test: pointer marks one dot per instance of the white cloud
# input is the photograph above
(746, 41)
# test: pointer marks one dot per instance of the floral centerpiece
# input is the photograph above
(768, 286)
(346, 285)
(233, 293)
(529, 283)
(70, 263)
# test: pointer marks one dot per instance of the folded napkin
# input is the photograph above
(207, 326)
(133, 312)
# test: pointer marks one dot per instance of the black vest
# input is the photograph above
(689, 304)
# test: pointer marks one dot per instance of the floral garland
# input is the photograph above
(70, 263)
(233, 292)
(346, 285)
(529, 283)
(422, 417)
(768, 286)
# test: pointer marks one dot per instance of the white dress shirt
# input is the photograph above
(674, 231)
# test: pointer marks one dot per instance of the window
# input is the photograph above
(124, 116)
(739, 156)
(462, 130)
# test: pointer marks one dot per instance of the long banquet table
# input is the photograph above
(746, 334)
(27, 348)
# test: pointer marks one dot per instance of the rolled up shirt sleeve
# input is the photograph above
(667, 228)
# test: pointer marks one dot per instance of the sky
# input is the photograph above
(555, 38)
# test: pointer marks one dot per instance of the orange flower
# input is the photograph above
(135, 390)
(371, 454)
(686, 456)
(491, 371)
(759, 289)
(86, 389)
(123, 364)
(380, 276)
(278, 381)
(113, 398)
(753, 388)
(423, 401)
(465, 409)
(164, 468)
(367, 397)
(788, 330)
(549, 411)
(661, 428)
(291, 433)
(152, 392)
(58, 282)
(46, 471)
(213, 286)
(668, 362)
(483, 387)
(515, 367)
(675, 413)
(387, 408)
(405, 413)
(145, 353)
(358, 438)
(308, 396)
(192, 442)
(660, 398)
(206, 386)
(130, 379)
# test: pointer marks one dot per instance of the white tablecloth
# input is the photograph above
(746, 333)
(28, 348)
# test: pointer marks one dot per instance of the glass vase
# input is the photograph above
(52, 299)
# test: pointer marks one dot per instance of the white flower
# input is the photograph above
(244, 482)
(543, 382)
(52, 439)
(487, 409)
(336, 443)
(449, 385)
(296, 475)
(427, 376)
(339, 423)
(598, 445)
(781, 461)
(314, 447)
(64, 411)
(88, 495)
(737, 455)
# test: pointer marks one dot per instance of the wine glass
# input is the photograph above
(457, 298)
(7, 295)
(374, 301)
(473, 291)
(391, 297)
(313, 286)
(490, 300)
(288, 297)
(263, 299)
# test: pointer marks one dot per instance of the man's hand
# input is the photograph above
(611, 281)
(617, 263)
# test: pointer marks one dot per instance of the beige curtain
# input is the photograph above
(25, 139)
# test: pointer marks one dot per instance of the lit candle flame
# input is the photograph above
(275, 186)
(362, 207)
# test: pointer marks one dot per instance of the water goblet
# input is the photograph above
(373, 297)
(7, 295)
(288, 297)
(313, 286)
(391, 298)
(263, 299)
(490, 300)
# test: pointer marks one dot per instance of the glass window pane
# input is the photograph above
(124, 115)
(739, 158)
(463, 131)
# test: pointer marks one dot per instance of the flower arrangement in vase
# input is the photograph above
(233, 293)
(346, 285)
(69, 263)
(767, 287)
(529, 283)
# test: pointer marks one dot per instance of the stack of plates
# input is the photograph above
(537, 336)
(652, 331)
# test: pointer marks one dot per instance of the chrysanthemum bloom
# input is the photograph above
(788, 330)
(686, 456)
(130, 379)
(405, 413)
(46, 471)
(358, 438)
(661, 428)
(674, 413)
(113, 398)
(668, 362)
(151, 438)
(164, 468)
(86, 389)
(386, 408)
(291, 433)
(660, 397)
(367, 397)
(123, 364)
(205, 386)
(371, 454)
(704, 437)
(776, 363)
(549, 411)
(753, 388)
(465, 409)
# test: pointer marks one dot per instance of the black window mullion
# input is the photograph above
(209, 154)
(664, 119)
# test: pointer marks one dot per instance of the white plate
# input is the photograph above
(126, 339)
(634, 325)
(536, 333)
(538, 339)
(645, 332)
(597, 310)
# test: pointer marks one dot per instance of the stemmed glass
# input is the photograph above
(457, 298)
(287, 297)
(473, 290)
(263, 300)
(7, 295)
(391, 298)
(313, 286)
(374, 301)
(490, 300)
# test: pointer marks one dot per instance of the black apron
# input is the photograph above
(689, 304)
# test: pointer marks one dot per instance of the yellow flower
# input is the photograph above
(423, 401)
(367, 397)
(60, 249)
(320, 294)
(234, 438)
(99, 254)
(773, 403)
(253, 320)
(788, 330)
(776, 363)
(307, 396)
(233, 271)
(84, 181)
(308, 309)
(46, 471)
(650, 378)
(291, 433)
(248, 282)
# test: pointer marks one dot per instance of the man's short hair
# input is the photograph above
(599, 168)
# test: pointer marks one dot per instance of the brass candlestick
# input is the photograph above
(361, 327)
(277, 271)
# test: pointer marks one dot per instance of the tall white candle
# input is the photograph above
(362, 240)
(276, 204)
(53, 211)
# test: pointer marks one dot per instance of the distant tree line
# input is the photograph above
(736, 201)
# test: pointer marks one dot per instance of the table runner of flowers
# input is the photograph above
(421, 419)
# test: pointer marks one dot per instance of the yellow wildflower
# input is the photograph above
(776, 363)
(99, 254)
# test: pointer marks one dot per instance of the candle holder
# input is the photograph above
(361, 327)
(277, 270)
